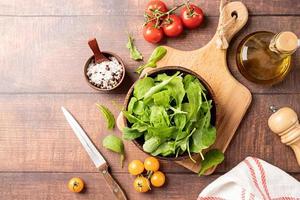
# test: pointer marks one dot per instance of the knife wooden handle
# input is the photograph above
(112, 183)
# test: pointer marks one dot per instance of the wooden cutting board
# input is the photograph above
(232, 98)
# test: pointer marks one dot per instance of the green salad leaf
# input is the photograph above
(134, 52)
(211, 158)
(114, 144)
(109, 117)
(172, 114)
(157, 54)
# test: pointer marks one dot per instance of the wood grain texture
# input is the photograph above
(57, 47)
(35, 136)
(53, 186)
(43, 50)
(133, 7)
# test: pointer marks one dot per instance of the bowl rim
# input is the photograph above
(162, 70)
(89, 61)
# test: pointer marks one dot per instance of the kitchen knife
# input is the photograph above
(95, 155)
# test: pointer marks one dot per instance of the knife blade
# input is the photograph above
(95, 155)
(87, 144)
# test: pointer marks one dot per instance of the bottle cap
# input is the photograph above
(286, 42)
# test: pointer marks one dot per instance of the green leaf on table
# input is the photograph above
(211, 159)
(157, 54)
(114, 144)
(134, 52)
(109, 117)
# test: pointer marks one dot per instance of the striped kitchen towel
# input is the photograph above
(253, 179)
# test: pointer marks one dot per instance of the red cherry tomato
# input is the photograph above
(152, 34)
(172, 26)
(155, 6)
(192, 17)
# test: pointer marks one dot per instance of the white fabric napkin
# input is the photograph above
(253, 179)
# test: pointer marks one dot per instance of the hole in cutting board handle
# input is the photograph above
(234, 14)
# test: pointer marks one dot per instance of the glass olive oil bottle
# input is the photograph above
(264, 57)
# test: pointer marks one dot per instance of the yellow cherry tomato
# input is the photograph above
(141, 184)
(136, 167)
(75, 184)
(158, 179)
(151, 164)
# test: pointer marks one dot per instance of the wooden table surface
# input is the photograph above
(43, 47)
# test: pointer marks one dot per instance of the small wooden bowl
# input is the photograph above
(171, 70)
(106, 54)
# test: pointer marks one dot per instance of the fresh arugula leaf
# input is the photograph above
(162, 98)
(131, 133)
(142, 86)
(114, 144)
(157, 54)
(211, 159)
(193, 92)
(159, 86)
(131, 103)
(180, 120)
(109, 117)
(202, 139)
(176, 90)
(165, 149)
(132, 119)
(134, 52)
(159, 117)
(163, 132)
(152, 144)
(139, 108)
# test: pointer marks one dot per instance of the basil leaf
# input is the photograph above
(134, 52)
(211, 158)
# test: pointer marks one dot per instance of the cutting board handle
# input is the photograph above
(230, 25)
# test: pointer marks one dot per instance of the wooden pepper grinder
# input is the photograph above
(285, 123)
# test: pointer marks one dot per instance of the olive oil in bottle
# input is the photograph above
(264, 57)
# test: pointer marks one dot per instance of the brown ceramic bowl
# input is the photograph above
(170, 71)
(106, 54)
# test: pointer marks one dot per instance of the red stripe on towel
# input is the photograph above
(253, 176)
(263, 176)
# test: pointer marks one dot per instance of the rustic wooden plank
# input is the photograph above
(54, 186)
(134, 7)
(35, 136)
(35, 51)
(254, 138)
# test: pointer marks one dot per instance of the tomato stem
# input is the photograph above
(158, 15)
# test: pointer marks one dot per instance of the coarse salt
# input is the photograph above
(105, 75)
